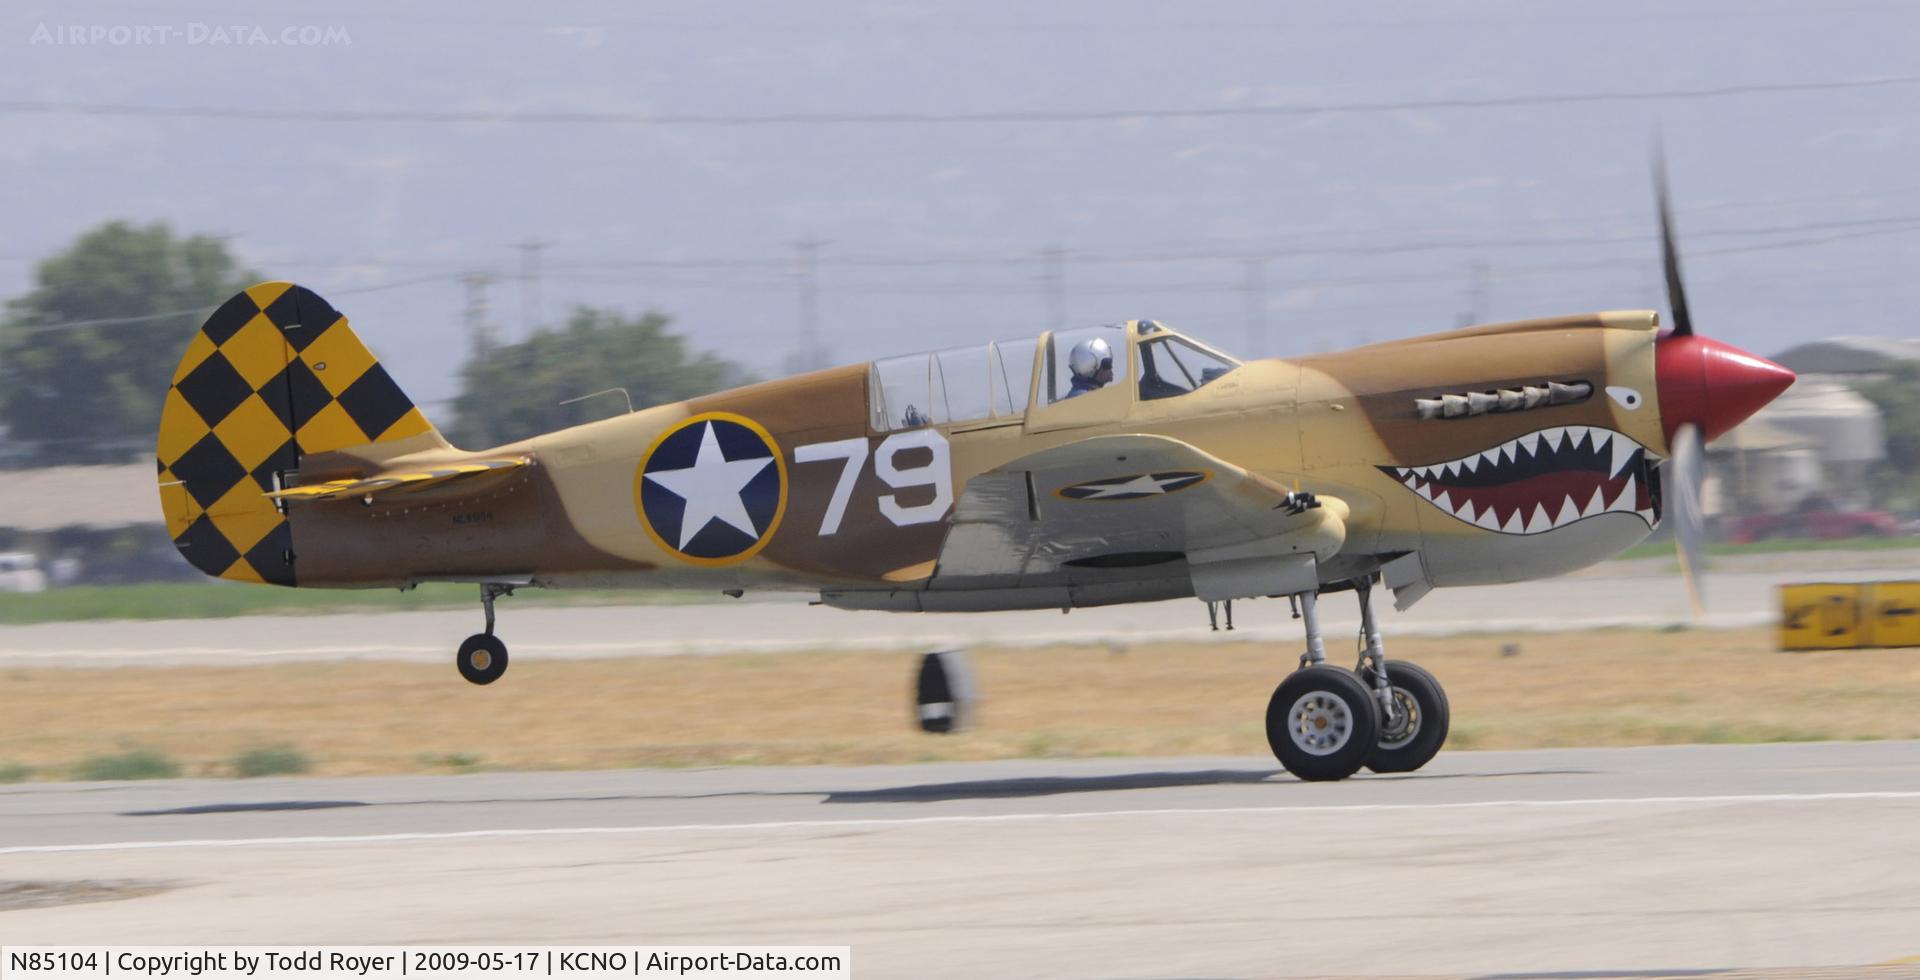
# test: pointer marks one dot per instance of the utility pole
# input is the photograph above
(1051, 260)
(806, 272)
(1479, 287)
(479, 331)
(531, 315)
(1256, 289)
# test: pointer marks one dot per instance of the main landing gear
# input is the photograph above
(1324, 722)
(483, 658)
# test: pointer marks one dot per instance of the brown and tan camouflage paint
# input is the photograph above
(1322, 423)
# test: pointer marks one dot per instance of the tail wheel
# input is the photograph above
(482, 658)
(1412, 735)
(1322, 723)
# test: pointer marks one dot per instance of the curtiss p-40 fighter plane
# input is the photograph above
(1126, 463)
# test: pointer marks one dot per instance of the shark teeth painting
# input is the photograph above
(1541, 481)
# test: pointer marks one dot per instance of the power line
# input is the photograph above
(207, 310)
(584, 117)
(806, 277)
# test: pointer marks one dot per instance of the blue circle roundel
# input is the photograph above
(712, 489)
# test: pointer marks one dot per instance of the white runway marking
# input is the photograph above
(956, 819)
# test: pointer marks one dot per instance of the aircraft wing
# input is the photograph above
(1089, 508)
(401, 481)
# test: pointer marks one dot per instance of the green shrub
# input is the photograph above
(135, 764)
(12, 773)
(456, 761)
(270, 760)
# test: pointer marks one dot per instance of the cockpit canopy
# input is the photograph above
(1000, 382)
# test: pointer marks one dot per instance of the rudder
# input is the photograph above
(274, 375)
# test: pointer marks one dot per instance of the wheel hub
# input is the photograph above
(1402, 723)
(1319, 723)
(481, 660)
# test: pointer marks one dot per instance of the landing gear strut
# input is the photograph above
(1321, 721)
(1414, 715)
(483, 658)
(1324, 723)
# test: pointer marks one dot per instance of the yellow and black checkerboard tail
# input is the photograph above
(274, 375)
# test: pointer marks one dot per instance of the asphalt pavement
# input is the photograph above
(1789, 857)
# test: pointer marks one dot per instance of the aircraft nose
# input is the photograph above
(1712, 385)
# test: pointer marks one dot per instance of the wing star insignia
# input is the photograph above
(1134, 487)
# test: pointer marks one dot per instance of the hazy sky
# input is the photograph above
(1799, 210)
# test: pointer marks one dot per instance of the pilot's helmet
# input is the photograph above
(1090, 357)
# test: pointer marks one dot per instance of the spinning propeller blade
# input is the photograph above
(1688, 469)
(1669, 253)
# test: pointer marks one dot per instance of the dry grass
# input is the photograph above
(1615, 687)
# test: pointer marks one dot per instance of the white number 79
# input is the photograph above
(936, 473)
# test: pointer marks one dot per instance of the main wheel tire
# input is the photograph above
(482, 658)
(1420, 719)
(1322, 723)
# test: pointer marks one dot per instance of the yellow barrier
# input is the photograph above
(1841, 615)
(1892, 614)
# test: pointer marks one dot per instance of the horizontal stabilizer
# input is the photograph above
(399, 481)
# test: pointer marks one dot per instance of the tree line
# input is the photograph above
(87, 354)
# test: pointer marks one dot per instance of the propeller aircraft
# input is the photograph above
(1114, 464)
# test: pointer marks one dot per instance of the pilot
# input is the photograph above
(1092, 365)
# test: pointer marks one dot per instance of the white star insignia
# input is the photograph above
(1145, 483)
(711, 487)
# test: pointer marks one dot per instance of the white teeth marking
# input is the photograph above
(1619, 448)
(1540, 521)
(1569, 512)
(1624, 502)
(1597, 504)
(1623, 450)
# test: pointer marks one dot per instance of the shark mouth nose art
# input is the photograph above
(1541, 481)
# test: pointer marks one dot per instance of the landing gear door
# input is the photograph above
(1076, 386)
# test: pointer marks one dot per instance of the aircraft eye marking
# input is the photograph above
(712, 489)
(1625, 397)
(936, 472)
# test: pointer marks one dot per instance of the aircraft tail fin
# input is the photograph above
(274, 375)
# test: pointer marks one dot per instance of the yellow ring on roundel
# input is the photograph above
(640, 482)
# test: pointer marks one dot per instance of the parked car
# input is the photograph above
(1816, 518)
(20, 572)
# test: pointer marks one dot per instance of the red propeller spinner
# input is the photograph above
(1712, 385)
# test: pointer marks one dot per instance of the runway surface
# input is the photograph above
(1694, 857)
(1626, 594)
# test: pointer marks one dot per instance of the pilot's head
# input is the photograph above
(1091, 363)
